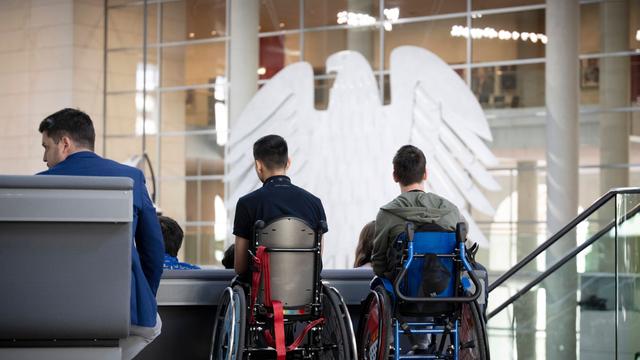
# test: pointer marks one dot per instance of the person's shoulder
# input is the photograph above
(307, 194)
(250, 197)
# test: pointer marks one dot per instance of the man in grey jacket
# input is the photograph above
(412, 205)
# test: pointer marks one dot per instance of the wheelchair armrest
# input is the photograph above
(461, 299)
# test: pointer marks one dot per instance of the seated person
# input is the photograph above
(173, 236)
(276, 198)
(365, 246)
(412, 205)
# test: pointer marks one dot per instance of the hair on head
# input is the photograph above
(272, 150)
(73, 123)
(409, 165)
(172, 234)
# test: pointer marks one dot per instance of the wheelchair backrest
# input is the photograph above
(294, 257)
(440, 243)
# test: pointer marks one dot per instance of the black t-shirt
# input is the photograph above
(277, 198)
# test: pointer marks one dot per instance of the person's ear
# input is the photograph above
(426, 174)
(395, 177)
(259, 166)
(67, 144)
(286, 167)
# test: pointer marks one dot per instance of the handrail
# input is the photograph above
(562, 232)
(570, 255)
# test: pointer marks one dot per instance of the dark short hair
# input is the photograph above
(172, 234)
(409, 165)
(272, 150)
(72, 123)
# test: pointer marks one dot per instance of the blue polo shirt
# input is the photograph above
(276, 198)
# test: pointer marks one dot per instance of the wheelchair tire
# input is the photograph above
(346, 319)
(472, 328)
(229, 325)
(334, 332)
(374, 336)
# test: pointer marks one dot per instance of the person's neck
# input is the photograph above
(77, 150)
(411, 187)
(271, 174)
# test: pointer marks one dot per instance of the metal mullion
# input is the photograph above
(105, 59)
(187, 87)
(511, 9)
(172, 44)
(301, 22)
(159, 24)
(608, 55)
(469, 47)
(140, 3)
(144, 76)
(381, 50)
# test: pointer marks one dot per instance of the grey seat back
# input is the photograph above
(65, 245)
(293, 274)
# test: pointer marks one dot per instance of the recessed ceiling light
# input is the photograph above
(192, 35)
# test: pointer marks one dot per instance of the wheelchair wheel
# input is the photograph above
(229, 326)
(473, 332)
(374, 328)
(335, 335)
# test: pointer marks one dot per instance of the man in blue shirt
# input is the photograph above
(276, 198)
(173, 235)
(68, 139)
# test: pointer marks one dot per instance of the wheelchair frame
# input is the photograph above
(447, 325)
(262, 318)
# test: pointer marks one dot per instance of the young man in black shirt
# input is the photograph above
(276, 198)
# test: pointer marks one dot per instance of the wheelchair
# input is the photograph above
(286, 312)
(430, 309)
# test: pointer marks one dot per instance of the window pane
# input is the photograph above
(322, 91)
(434, 36)
(192, 155)
(510, 86)
(325, 13)
(610, 26)
(319, 45)
(125, 27)
(610, 81)
(121, 114)
(193, 64)
(279, 15)
(276, 52)
(194, 109)
(493, 4)
(125, 70)
(121, 149)
(192, 20)
(509, 36)
(414, 8)
(201, 248)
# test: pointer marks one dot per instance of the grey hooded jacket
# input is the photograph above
(417, 207)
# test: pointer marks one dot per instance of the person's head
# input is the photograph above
(64, 133)
(409, 166)
(172, 234)
(365, 245)
(271, 156)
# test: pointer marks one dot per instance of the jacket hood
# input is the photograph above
(420, 207)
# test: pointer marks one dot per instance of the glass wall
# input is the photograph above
(167, 89)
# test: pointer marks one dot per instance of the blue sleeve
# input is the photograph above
(149, 241)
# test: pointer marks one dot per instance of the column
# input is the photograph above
(525, 307)
(561, 96)
(614, 92)
(243, 55)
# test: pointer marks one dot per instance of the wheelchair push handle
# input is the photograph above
(461, 231)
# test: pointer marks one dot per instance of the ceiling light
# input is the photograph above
(491, 33)
(638, 35)
(281, 25)
(192, 35)
(262, 71)
(214, 33)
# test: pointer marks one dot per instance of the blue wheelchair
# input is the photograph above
(430, 309)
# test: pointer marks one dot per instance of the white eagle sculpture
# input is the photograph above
(343, 155)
